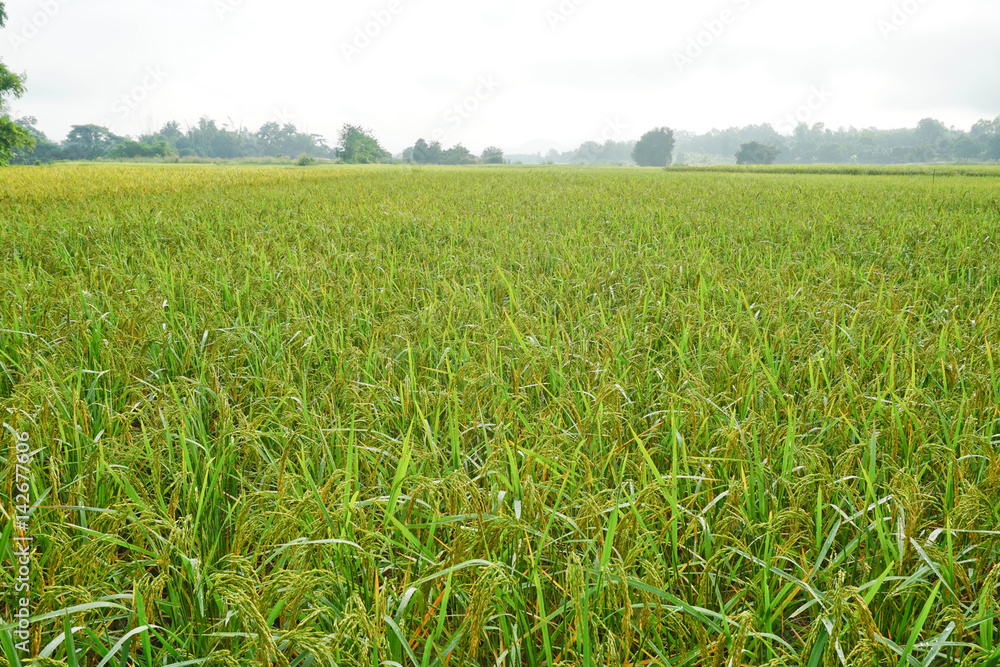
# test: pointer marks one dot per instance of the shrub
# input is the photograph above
(757, 153)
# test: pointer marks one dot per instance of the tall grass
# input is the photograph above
(548, 417)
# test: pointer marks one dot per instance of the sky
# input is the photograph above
(525, 75)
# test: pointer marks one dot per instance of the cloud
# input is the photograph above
(560, 84)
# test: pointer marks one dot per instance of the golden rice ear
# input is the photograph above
(545, 416)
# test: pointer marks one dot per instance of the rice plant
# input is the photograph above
(421, 417)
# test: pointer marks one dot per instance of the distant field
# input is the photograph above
(934, 171)
(420, 416)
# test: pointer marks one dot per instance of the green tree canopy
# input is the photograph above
(421, 152)
(831, 153)
(43, 151)
(655, 148)
(12, 135)
(358, 146)
(432, 153)
(134, 149)
(89, 142)
(492, 155)
(755, 152)
(458, 154)
(274, 139)
(993, 148)
(931, 132)
(967, 148)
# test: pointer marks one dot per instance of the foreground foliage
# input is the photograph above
(522, 417)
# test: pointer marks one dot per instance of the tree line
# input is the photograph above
(206, 139)
(355, 145)
(22, 142)
(930, 141)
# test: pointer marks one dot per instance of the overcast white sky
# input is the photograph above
(546, 72)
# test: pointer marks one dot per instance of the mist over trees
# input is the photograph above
(432, 153)
(610, 152)
(206, 139)
(755, 152)
(492, 155)
(931, 141)
(89, 142)
(655, 148)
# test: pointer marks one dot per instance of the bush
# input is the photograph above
(358, 146)
(493, 155)
(306, 160)
(757, 153)
(133, 149)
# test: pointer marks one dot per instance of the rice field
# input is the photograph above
(457, 417)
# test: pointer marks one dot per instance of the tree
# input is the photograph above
(171, 131)
(134, 149)
(358, 146)
(987, 135)
(993, 148)
(655, 148)
(201, 137)
(492, 155)
(225, 145)
(421, 152)
(931, 132)
(12, 135)
(89, 142)
(831, 153)
(42, 152)
(434, 153)
(985, 129)
(269, 139)
(757, 153)
(589, 152)
(967, 148)
(458, 154)
(920, 154)
(616, 152)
